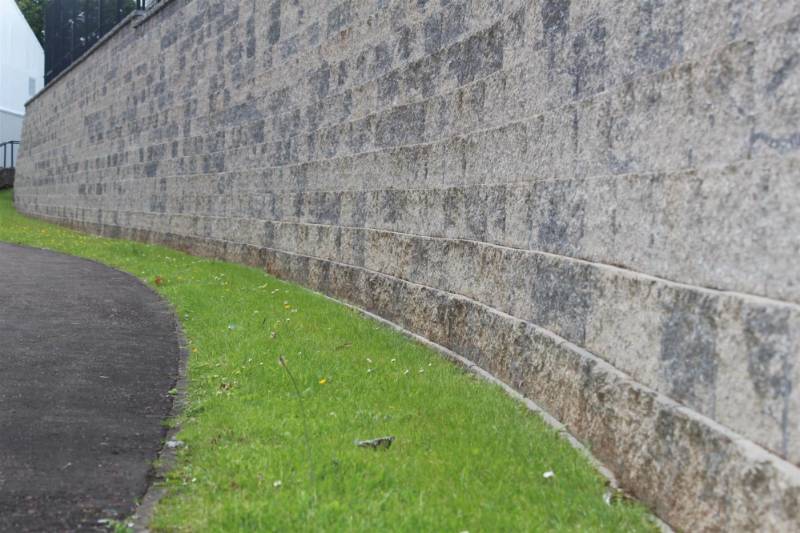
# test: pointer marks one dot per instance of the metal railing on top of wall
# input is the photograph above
(9, 150)
(71, 27)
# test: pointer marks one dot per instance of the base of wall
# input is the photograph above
(694, 473)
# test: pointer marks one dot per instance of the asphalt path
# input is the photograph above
(88, 356)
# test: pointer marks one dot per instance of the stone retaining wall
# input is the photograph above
(594, 200)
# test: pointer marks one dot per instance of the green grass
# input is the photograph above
(467, 457)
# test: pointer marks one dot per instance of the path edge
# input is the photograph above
(167, 456)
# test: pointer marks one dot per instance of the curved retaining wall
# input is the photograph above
(594, 200)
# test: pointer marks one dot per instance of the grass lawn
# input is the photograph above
(466, 456)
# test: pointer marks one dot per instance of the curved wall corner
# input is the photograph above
(596, 201)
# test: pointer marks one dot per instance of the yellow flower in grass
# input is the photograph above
(323, 381)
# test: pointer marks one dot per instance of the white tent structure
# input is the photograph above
(21, 69)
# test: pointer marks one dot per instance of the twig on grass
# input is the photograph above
(285, 366)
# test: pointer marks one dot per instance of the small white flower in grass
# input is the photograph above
(369, 371)
(549, 474)
(369, 360)
(406, 372)
(277, 483)
(421, 370)
(393, 359)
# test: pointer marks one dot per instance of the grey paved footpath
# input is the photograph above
(87, 357)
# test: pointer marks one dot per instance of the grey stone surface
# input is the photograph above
(595, 200)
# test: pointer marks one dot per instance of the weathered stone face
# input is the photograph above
(594, 200)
